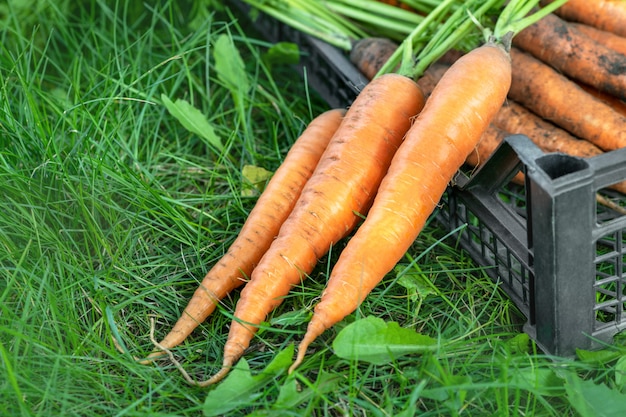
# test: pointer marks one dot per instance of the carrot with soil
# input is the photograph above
(340, 190)
(515, 118)
(608, 15)
(454, 118)
(562, 46)
(370, 54)
(260, 228)
(609, 39)
(551, 95)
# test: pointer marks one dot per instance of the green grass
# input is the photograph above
(111, 212)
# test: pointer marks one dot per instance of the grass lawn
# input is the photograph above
(111, 211)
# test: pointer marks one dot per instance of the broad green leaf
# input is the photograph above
(193, 120)
(282, 53)
(519, 343)
(601, 356)
(292, 394)
(230, 67)
(620, 373)
(240, 388)
(255, 179)
(593, 400)
(291, 318)
(542, 381)
(375, 341)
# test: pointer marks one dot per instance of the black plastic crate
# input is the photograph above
(558, 254)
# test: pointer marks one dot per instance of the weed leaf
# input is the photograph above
(241, 388)
(292, 395)
(230, 67)
(282, 53)
(593, 400)
(416, 285)
(255, 178)
(378, 342)
(542, 381)
(193, 120)
(602, 356)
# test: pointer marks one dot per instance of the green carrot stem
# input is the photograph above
(372, 20)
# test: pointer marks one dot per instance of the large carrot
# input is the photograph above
(564, 47)
(454, 118)
(607, 15)
(260, 228)
(515, 118)
(561, 101)
(492, 137)
(610, 39)
(341, 188)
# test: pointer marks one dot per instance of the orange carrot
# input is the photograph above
(454, 118)
(609, 39)
(562, 46)
(488, 143)
(608, 15)
(260, 228)
(515, 118)
(342, 186)
(561, 101)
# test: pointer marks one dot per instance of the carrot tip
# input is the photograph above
(298, 361)
(215, 378)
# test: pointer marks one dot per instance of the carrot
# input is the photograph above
(431, 77)
(562, 46)
(561, 101)
(454, 118)
(515, 118)
(488, 143)
(370, 54)
(609, 39)
(617, 104)
(608, 15)
(260, 228)
(342, 186)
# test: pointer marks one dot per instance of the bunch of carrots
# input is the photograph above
(577, 54)
(377, 170)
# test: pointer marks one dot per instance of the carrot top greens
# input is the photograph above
(425, 36)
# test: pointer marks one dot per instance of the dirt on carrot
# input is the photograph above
(549, 94)
(565, 48)
(515, 118)
(608, 39)
(370, 54)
